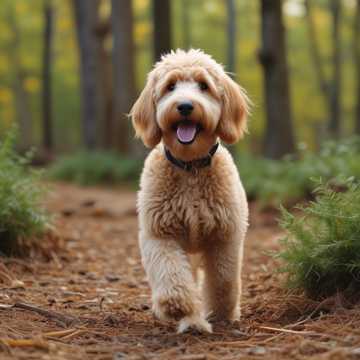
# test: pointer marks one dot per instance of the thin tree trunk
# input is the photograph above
(357, 65)
(279, 138)
(86, 13)
(123, 69)
(162, 27)
(47, 65)
(335, 89)
(231, 36)
(106, 84)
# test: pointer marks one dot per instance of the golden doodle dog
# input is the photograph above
(192, 206)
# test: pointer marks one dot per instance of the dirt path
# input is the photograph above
(98, 283)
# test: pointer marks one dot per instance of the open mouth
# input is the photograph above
(186, 131)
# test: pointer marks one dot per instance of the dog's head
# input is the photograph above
(188, 102)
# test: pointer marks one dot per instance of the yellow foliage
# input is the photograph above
(321, 18)
(214, 7)
(105, 9)
(64, 24)
(4, 64)
(5, 32)
(29, 61)
(20, 8)
(141, 31)
(248, 47)
(7, 117)
(67, 65)
(141, 5)
(32, 84)
(6, 96)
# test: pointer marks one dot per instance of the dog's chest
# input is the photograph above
(191, 212)
(200, 211)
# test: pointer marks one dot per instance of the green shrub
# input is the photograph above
(274, 181)
(21, 216)
(288, 180)
(98, 167)
(321, 251)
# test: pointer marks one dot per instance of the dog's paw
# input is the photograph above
(224, 317)
(172, 307)
(194, 324)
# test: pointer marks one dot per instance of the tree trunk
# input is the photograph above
(335, 89)
(123, 69)
(86, 13)
(231, 36)
(162, 27)
(46, 78)
(103, 31)
(279, 138)
(357, 65)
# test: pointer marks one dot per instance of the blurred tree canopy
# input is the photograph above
(198, 24)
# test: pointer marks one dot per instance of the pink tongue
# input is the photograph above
(186, 132)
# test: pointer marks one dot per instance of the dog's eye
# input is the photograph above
(203, 86)
(171, 87)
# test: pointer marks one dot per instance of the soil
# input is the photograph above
(89, 298)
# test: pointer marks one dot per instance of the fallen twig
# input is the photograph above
(19, 262)
(73, 334)
(288, 331)
(194, 357)
(61, 319)
(5, 277)
(6, 306)
(39, 343)
(60, 333)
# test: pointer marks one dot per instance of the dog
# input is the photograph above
(192, 207)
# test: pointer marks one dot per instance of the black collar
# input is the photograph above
(194, 164)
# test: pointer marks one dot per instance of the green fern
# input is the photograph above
(21, 214)
(321, 251)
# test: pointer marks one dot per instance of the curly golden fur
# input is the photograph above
(191, 219)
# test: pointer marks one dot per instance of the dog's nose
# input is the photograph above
(185, 108)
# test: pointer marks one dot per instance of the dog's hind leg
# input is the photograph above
(174, 291)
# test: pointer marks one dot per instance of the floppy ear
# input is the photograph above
(232, 124)
(143, 116)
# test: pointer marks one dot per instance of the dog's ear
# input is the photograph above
(143, 114)
(235, 109)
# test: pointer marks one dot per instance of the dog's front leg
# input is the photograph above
(174, 292)
(222, 285)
